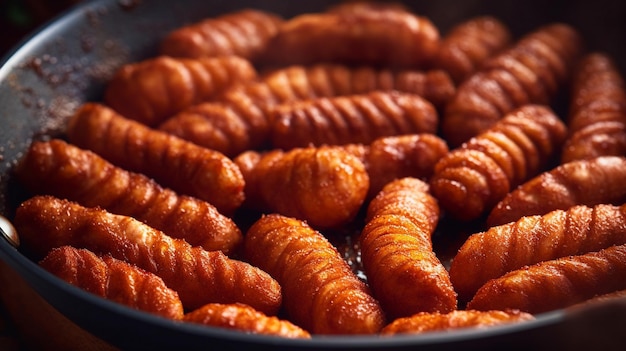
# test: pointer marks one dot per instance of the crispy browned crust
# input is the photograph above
(434, 321)
(402, 270)
(240, 118)
(597, 115)
(320, 291)
(243, 33)
(360, 118)
(394, 157)
(533, 239)
(475, 176)
(66, 171)
(584, 182)
(555, 284)
(298, 82)
(198, 276)
(378, 38)
(324, 186)
(530, 72)
(152, 90)
(467, 45)
(245, 319)
(173, 162)
(114, 280)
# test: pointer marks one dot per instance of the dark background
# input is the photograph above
(19, 17)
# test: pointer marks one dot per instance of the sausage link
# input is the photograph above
(320, 291)
(468, 44)
(397, 39)
(428, 322)
(198, 276)
(66, 171)
(550, 285)
(351, 119)
(152, 90)
(244, 318)
(325, 186)
(401, 267)
(474, 177)
(587, 182)
(597, 116)
(114, 280)
(533, 239)
(174, 163)
(243, 33)
(530, 72)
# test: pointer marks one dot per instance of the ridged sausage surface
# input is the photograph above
(320, 291)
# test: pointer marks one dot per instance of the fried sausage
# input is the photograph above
(114, 280)
(351, 119)
(325, 186)
(240, 118)
(474, 177)
(395, 39)
(468, 44)
(597, 115)
(320, 291)
(532, 239)
(327, 80)
(394, 157)
(587, 182)
(174, 163)
(199, 276)
(530, 72)
(152, 90)
(66, 171)
(401, 267)
(555, 284)
(434, 321)
(244, 318)
(243, 33)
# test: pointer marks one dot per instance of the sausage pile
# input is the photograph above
(208, 183)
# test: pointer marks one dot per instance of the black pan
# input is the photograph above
(68, 62)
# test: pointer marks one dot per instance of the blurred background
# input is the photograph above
(20, 17)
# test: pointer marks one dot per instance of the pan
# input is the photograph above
(68, 62)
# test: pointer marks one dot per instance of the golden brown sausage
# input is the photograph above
(174, 163)
(240, 118)
(351, 119)
(597, 115)
(394, 157)
(532, 239)
(325, 186)
(474, 177)
(378, 38)
(320, 291)
(550, 285)
(584, 182)
(114, 280)
(468, 44)
(244, 318)
(427, 322)
(66, 171)
(328, 79)
(198, 276)
(152, 90)
(402, 269)
(243, 33)
(530, 72)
